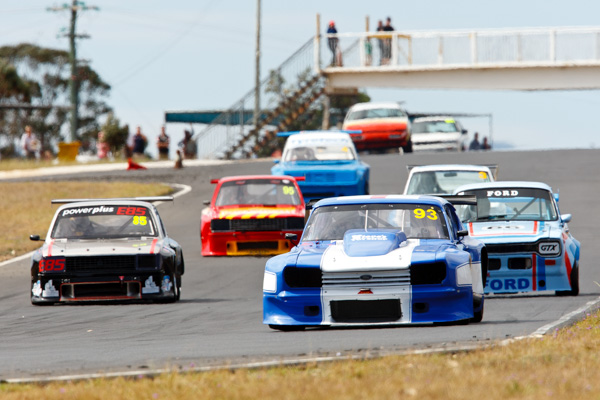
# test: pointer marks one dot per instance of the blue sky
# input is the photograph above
(199, 54)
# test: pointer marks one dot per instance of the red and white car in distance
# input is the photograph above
(251, 215)
(382, 126)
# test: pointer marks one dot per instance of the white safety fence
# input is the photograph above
(452, 49)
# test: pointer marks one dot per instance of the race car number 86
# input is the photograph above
(420, 214)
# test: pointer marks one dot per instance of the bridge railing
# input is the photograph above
(466, 48)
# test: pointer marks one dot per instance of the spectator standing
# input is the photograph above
(387, 45)
(188, 145)
(475, 145)
(381, 42)
(102, 147)
(139, 142)
(163, 145)
(485, 144)
(332, 41)
(30, 144)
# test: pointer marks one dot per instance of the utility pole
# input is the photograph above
(74, 81)
(257, 70)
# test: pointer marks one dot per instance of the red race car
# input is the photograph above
(250, 215)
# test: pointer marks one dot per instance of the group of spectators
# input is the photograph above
(138, 143)
(385, 43)
(476, 145)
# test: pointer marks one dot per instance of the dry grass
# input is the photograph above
(25, 207)
(19, 163)
(565, 365)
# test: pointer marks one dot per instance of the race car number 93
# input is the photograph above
(430, 214)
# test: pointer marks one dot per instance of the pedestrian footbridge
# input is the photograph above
(296, 94)
(511, 59)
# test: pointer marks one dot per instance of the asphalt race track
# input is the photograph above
(219, 319)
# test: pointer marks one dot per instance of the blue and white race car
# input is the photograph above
(529, 243)
(377, 260)
(327, 160)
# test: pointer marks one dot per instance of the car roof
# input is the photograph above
(255, 177)
(434, 119)
(503, 185)
(382, 199)
(449, 167)
(310, 137)
(105, 202)
(372, 105)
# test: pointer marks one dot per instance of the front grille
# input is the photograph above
(519, 263)
(427, 274)
(369, 279)
(242, 246)
(522, 248)
(494, 264)
(366, 310)
(263, 224)
(100, 264)
(296, 277)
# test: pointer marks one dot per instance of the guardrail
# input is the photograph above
(406, 50)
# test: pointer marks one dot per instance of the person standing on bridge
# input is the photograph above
(332, 41)
(381, 42)
(475, 145)
(387, 42)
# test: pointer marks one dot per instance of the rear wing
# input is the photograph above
(147, 198)
(460, 200)
(493, 168)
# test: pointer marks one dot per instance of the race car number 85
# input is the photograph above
(288, 190)
(420, 214)
(139, 220)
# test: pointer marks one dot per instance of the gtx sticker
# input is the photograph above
(149, 286)
(50, 290)
(88, 211)
(36, 290)
(502, 193)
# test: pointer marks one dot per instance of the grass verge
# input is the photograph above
(25, 207)
(564, 365)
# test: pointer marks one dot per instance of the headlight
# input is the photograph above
(270, 282)
(463, 275)
(549, 249)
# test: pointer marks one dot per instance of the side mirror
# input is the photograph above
(464, 131)
(462, 233)
(276, 161)
(291, 236)
(206, 202)
(566, 218)
(35, 238)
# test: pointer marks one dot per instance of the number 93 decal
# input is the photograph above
(430, 214)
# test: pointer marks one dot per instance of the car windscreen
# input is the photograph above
(104, 222)
(443, 182)
(420, 221)
(447, 126)
(375, 113)
(258, 191)
(509, 204)
(332, 151)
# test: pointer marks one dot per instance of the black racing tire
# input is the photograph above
(287, 328)
(408, 148)
(367, 187)
(574, 284)
(478, 315)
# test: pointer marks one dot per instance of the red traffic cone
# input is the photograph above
(133, 165)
